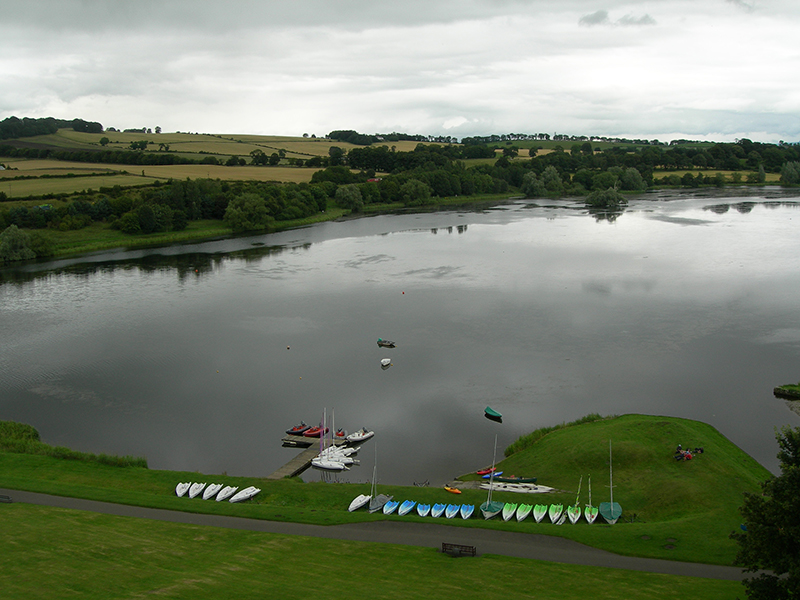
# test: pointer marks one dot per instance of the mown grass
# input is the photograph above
(683, 511)
(62, 553)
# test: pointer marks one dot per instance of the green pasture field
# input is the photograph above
(671, 510)
(74, 554)
(55, 185)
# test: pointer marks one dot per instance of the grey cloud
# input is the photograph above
(596, 18)
(601, 18)
(742, 4)
(629, 20)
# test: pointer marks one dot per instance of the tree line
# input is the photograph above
(12, 127)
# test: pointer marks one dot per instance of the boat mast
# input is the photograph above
(610, 476)
(491, 477)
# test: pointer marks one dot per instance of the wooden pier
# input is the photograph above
(302, 461)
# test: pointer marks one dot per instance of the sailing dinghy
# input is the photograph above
(611, 511)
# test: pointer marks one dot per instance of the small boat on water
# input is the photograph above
(362, 435)
(386, 363)
(523, 511)
(467, 510)
(182, 488)
(451, 510)
(390, 507)
(406, 507)
(508, 510)
(298, 429)
(330, 464)
(438, 510)
(358, 502)
(226, 492)
(385, 343)
(195, 489)
(452, 490)
(245, 494)
(539, 512)
(492, 414)
(212, 490)
(423, 510)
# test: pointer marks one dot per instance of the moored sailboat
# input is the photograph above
(611, 511)
(491, 508)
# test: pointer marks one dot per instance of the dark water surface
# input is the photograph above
(197, 357)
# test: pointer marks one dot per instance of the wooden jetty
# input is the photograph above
(302, 461)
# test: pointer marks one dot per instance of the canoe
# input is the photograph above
(390, 507)
(226, 493)
(452, 490)
(361, 435)
(358, 502)
(492, 509)
(574, 513)
(212, 490)
(451, 510)
(378, 502)
(385, 343)
(467, 510)
(515, 479)
(489, 475)
(508, 510)
(539, 511)
(406, 507)
(523, 511)
(245, 494)
(195, 489)
(181, 489)
(554, 512)
(492, 414)
(590, 513)
(485, 471)
(437, 510)
(423, 510)
(298, 429)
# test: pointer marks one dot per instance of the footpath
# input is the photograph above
(504, 543)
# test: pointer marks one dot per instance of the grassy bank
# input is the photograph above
(57, 552)
(672, 510)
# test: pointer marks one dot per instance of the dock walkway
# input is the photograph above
(302, 461)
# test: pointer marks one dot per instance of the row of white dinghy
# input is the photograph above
(217, 491)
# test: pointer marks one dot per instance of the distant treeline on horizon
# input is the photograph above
(13, 127)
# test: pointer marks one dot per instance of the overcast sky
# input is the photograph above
(666, 69)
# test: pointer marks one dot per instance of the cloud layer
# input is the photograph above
(665, 69)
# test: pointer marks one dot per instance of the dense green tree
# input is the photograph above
(532, 186)
(771, 537)
(15, 245)
(247, 212)
(790, 173)
(349, 196)
(606, 199)
(415, 192)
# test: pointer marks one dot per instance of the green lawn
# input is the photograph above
(59, 553)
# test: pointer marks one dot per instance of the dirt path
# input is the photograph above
(521, 545)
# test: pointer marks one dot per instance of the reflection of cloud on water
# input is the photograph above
(367, 260)
(781, 336)
(279, 325)
(434, 273)
(679, 220)
(627, 286)
(70, 395)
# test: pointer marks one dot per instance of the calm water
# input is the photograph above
(199, 356)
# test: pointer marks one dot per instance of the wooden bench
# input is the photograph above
(459, 549)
